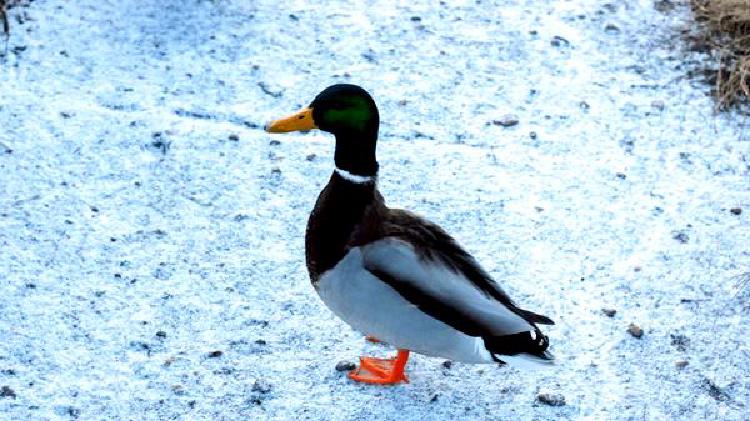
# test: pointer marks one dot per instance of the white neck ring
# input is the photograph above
(354, 178)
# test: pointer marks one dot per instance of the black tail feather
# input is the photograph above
(535, 318)
(519, 343)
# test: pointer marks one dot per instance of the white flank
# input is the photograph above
(374, 308)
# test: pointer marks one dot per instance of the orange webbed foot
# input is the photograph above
(370, 338)
(381, 371)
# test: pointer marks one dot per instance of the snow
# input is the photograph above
(136, 238)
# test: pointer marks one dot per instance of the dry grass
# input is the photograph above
(4, 19)
(742, 284)
(725, 27)
(6, 5)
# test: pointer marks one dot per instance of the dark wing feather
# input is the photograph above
(439, 291)
(434, 243)
(432, 305)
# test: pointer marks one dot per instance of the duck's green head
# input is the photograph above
(348, 112)
(339, 109)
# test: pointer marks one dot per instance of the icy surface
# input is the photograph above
(151, 234)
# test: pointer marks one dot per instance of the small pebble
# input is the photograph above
(558, 41)
(664, 6)
(234, 137)
(345, 366)
(551, 399)
(609, 312)
(275, 142)
(215, 354)
(635, 330)
(508, 120)
(736, 211)
(310, 157)
(447, 364)
(7, 392)
(679, 341)
(681, 363)
(262, 387)
(612, 29)
(681, 236)
(161, 334)
(224, 371)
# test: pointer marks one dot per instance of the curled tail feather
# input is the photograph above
(531, 343)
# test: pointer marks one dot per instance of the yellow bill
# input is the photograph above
(300, 121)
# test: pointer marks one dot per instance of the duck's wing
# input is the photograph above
(433, 248)
(426, 267)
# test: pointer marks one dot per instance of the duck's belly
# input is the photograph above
(372, 307)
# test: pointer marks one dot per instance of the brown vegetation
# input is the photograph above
(4, 19)
(743, 282)
(725, 27)
(6, 5)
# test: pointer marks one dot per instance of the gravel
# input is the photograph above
(126, 209)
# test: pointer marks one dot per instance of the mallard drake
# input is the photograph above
(391, 274)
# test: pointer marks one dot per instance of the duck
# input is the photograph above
(393, 275)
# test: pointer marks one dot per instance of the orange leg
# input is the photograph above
(381, 371)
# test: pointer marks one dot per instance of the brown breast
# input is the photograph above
(346, 214)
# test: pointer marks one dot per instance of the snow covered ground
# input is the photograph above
(151, 234)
